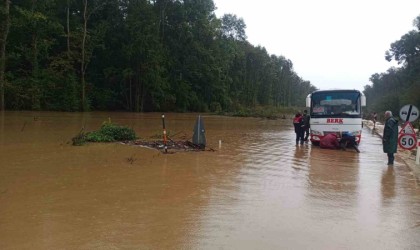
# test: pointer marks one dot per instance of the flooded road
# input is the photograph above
(258, 191)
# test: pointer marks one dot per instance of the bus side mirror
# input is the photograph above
(308, 101)
(363, 101)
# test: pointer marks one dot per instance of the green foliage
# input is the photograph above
(98, 136)
(269, 112)
(141, 56)
(79, 139)
(398, 86)
(108, 132)
(103, 98)
(115, 132)
(233, 27)
(215, 107)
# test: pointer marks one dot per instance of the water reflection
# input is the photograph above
(300, 157)
(333, 180)
(259, 191)
(333, 169)
(388, 183)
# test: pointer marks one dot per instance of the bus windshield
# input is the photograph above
(336, 104)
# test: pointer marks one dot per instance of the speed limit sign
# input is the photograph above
(407, 141)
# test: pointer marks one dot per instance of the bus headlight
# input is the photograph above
(314, 132)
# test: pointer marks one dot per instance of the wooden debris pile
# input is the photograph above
(171, 145)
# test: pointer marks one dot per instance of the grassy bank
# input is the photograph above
(267, 112)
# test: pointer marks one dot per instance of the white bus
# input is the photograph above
(335, 111)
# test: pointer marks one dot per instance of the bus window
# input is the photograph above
(335, 103)
(318, 109)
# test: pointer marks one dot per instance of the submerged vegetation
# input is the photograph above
(108, 132)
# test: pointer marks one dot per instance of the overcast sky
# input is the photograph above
(332, 43)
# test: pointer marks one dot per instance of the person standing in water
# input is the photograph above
(374, 116)
(390, 137)
(298, 123)
(306, 124)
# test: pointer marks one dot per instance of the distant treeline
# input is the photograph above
(136, 55)
(398, 86)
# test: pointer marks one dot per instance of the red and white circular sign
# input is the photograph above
(407, 141)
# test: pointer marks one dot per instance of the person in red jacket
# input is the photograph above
(299, 130)
(330, 141)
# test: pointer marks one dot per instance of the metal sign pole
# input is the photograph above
(164, 133)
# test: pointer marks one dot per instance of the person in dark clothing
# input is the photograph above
(374, 117)
(306, 124)
(348, 141)
(390, 137)
(298, 123)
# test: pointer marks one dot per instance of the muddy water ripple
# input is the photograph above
(258, 191)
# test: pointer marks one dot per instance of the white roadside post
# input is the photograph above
(418, 154)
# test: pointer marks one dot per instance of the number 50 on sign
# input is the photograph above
(407, 141)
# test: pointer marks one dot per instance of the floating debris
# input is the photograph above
(171, 145)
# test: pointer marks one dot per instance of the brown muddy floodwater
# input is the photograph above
(258, 191)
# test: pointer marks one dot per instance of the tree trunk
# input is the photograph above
(142, 97)
(131, 95)
(4, 31)
(82, 65)
(137, 96)
(35, 74)
(35, 64)
(68, 29)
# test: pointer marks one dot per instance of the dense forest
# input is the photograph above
(397, 87)
(136, 55)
